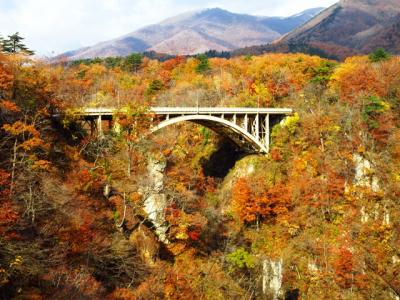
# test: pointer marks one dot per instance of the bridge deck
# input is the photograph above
(191, 111)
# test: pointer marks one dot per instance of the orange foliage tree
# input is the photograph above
(254, 204)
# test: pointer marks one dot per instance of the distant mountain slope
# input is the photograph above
(196, 32)
(285, 25)
(347, 28)
(387, 37)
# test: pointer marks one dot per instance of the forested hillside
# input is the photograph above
(183, 214)
(349, 27)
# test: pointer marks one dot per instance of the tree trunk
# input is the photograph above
(14, 162)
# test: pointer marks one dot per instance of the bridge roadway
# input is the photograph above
(249, 128)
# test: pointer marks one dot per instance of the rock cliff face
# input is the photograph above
(155, 201)
(272, 278)
(365, 177)
(364, 173)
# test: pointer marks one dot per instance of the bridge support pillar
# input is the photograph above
(267, 133)
(92, 127)
(100, 132)
(257, 121)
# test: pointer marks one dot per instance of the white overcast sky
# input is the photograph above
(55, 26)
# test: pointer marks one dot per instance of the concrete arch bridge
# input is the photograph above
(249, 128)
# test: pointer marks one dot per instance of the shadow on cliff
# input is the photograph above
(222, 160)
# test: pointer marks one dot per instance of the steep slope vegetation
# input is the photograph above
(83, 217)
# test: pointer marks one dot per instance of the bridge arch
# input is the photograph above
(249, 128)
(234, 132)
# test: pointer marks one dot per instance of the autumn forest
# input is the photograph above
(184, 213)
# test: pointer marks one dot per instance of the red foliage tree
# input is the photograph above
(343, 268)
(7, 213)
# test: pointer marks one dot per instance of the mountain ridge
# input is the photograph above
(346, 28)
(197, 31)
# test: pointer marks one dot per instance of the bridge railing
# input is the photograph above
(190, 110)
(220, 110)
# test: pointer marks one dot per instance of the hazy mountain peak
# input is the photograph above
(312, 12)
(198, 31)
(181, 17)
(214, 10)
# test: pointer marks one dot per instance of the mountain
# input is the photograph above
(347, 28)
(198, 31)
(287, 24)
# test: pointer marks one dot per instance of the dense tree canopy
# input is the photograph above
(324, 201)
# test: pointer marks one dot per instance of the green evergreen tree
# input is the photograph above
(203, 66)
(155, 86)
(1, 43)
(379, 55)
(133, 62)
(14, 45)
